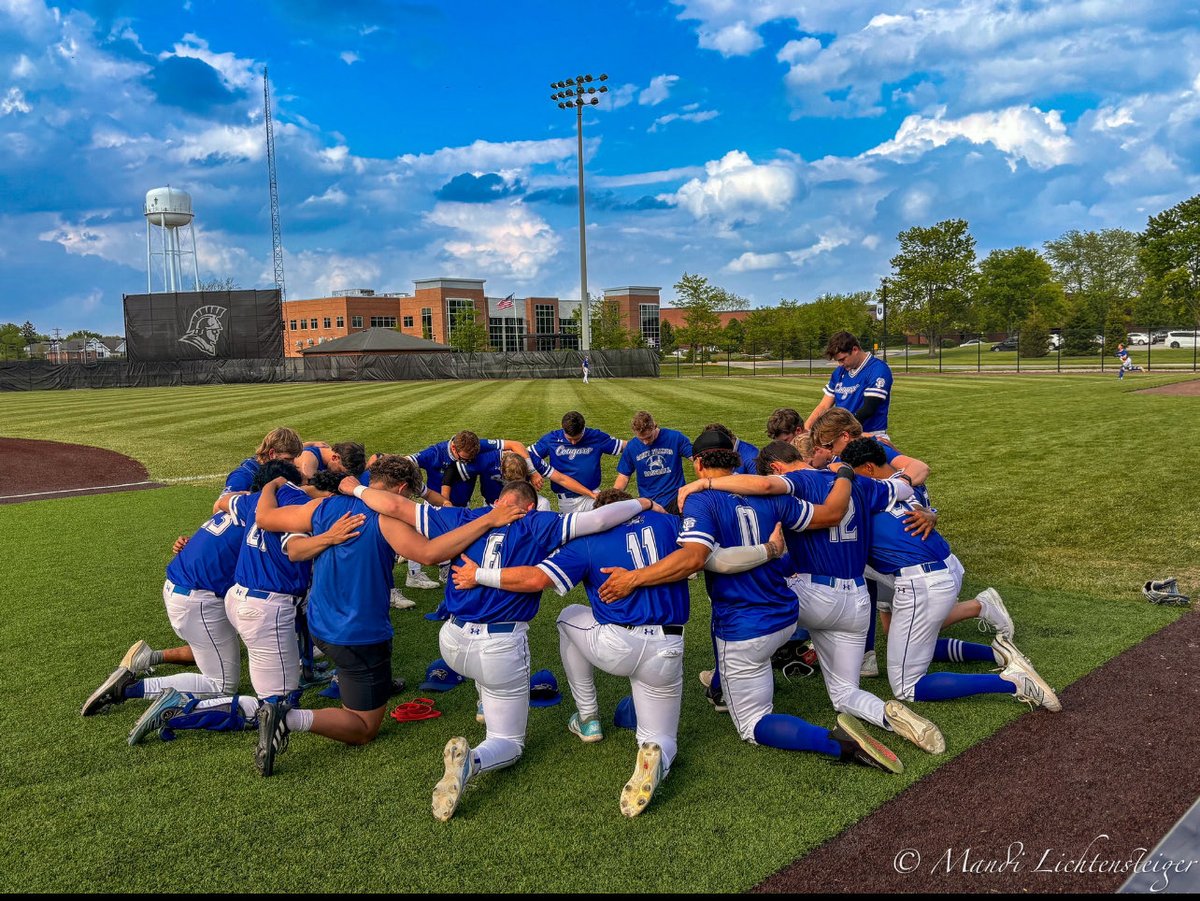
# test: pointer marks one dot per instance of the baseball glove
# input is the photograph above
(1165, 592)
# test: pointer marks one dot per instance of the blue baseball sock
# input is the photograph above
(873, 591)
(779, 730)
(944, 686)
(951, 650)
(136, 690)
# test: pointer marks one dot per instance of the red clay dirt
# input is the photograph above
(1050, 803)
(1178, 389)
(42, 470)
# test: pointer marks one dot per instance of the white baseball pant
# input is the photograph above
(266, 621)
(198, 617)
(746, 677)
(498, 661)
(837, 618)
(883, 595)
(650, 659)
(920, 605)
(574, 503)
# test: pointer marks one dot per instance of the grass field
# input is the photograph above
(1059, 491)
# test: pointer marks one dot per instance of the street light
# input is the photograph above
(576, 93)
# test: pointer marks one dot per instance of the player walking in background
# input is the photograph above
(278, 444)
(657, 456)
(576, 450)
(586, 367)
(861, 384)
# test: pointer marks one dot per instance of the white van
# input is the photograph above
(1181, 339)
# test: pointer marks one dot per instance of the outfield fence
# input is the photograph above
(31, 375)
(1060, 350)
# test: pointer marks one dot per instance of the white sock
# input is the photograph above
(249, 706)
(299, 720)
(194, 683)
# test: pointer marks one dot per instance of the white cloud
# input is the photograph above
(1020, 132)
(646, 178)
(750, 262)
(334, 195)
(738, 39)
(703, 116)
(658, 91)
(220, 142)
(14, 102)
(236, 73)
(320, 272)
(622, 96)
(502, 239)
(487, 156)
(349, 57)
(735, 186)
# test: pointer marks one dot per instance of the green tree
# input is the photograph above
(1035, 335)
(468, 334)
(1116, 329)
(609, 329)
(1079, 330)
(1097, 268)
(30, 333)
(1013, 283)
(702, 304)
(932, 279)
(733, 337)
(666, 337)
(83, 334)
(1169, 253)
(12, 342)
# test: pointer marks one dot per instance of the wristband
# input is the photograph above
(488, 577)
(358, 490)
(845, 471)
(905, 477)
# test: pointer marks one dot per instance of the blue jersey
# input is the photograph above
(243, 477)
(749, 454)
(1123, 354)
(210, 557)
(893, 548)
(263, 564)
(756, 602)
(486, 468)
(352, 581)
(839, 552)
(850, 388)
(659, 466)
(315, 450)
(581, 461)
(525, 542)
(635, 544)
(435, 459)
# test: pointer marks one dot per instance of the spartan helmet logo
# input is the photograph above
(205, 329)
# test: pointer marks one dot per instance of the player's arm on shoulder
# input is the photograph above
(681, 563)
(592, 521)
(825, 403)
(408, 542)
(621, 482)
(523, 579)
(744, 484)
(270, 517)
(917, 470)
(306, 547)
(222, 504)
(385, 503)
(831, 510)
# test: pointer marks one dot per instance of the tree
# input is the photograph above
(30, 333)
(1116, 329)
(609, 329)
(219, 284)
(702, 304)
(733, 337)
(1097, 268)
(1035, 335)
(1012, 284)
(932, 277)
(1079, 330)
(83, 334)
(1169, 253)
(666, 337)
(468, 334)
(12, 342)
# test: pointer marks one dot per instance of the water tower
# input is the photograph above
(168, 212)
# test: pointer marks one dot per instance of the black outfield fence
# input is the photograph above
(30, 375)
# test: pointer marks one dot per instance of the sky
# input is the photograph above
(776, 147)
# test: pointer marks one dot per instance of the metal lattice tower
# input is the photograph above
(276, 236)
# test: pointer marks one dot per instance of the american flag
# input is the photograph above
(507, 303)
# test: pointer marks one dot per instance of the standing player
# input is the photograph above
(576, 450)
(656, 455)
(754, 613)
(861, 384)
(927, 579)
(348, 605)
(278, 444)
(587, 367)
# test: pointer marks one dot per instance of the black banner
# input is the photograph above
(204, 325)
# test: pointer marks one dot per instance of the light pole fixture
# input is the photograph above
(576, 93)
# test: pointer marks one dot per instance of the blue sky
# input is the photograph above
(777, 147)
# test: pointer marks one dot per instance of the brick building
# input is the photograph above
(530, 323)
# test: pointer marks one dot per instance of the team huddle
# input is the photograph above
(805, 544)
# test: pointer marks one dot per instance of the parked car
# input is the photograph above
(1181, 339)
(1009, 343)
(1055, 341)
(1158, 336)
(972, 343)
(1138, 338)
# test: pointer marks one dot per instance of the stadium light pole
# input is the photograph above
(576, 93)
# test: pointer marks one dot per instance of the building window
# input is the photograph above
(427, 323)
(356, 322)
(455, 306)
(569, 334)
(312, 323)
(304, 325)
(326, 322)
(408, 322)
(341, 322)
(299, 344)
(649, 318)
(506, 334)
(383, 322)
(292, 324)
(544, 316)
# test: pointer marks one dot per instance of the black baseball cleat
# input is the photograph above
(272, 735)
(398, 685)
(111, 691)
(859, 747)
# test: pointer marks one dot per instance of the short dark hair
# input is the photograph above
(392, 470)
(864, 450)
(776, 452)
(273, 469)
(718, 427)
(466, 443)
(784, 421)
(573, 424)
(719, 458)
(611, 496)
(353, 456)
(327, 480)
(840, 343)
(522, 490)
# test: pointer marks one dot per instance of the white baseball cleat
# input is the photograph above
(647, 774)
(418, 579)
(914, 727)
(399, 601)
(137, 658)
(479, 717)
(1004, 648)
(1031, 688)
(870, 665)
(993, 613)
(448, 791)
